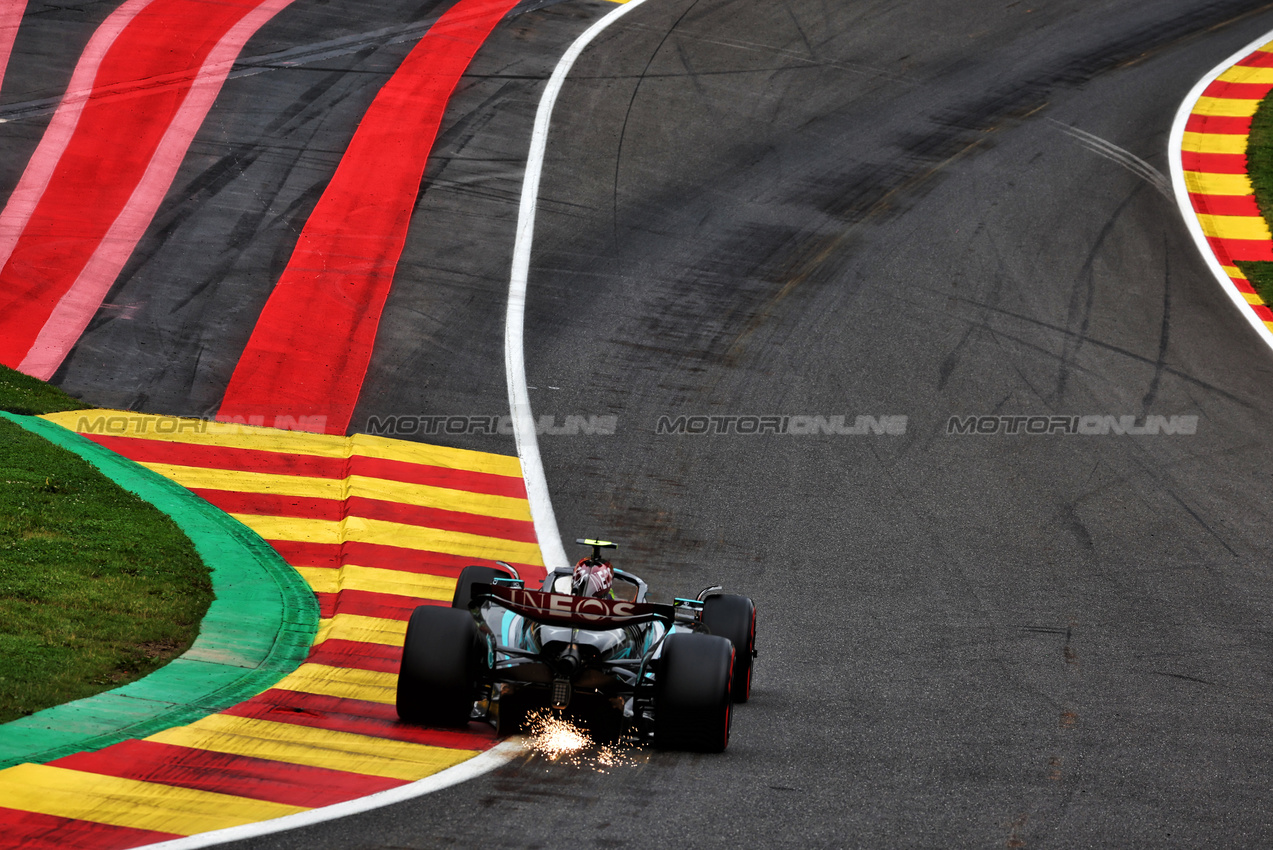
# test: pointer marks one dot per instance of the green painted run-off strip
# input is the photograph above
(258, 629)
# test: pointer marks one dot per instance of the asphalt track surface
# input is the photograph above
(807, 208)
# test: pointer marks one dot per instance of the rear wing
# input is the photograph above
(583, 612)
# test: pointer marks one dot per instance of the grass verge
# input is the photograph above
(97, 587)
(27, 396)
(1259, 164)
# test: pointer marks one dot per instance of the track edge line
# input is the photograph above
(493, 758)
(1174, 143)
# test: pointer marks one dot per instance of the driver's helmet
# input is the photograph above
(592, 577)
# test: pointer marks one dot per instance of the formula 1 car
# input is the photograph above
(624, 667)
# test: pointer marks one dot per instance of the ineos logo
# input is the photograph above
(585, 608)
(589, 608)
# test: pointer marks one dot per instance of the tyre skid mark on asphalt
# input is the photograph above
(309, 352)
(328, 732)
(314, 746)
(142, 139)
(345, 714)
(280, 782)
(1210, 174)
(117, 801)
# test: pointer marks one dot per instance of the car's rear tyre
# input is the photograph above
(734, 617)
(692, 693)
(437, 678)
(470, 576)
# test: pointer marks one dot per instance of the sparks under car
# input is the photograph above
(627, 667)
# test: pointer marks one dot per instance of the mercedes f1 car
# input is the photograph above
(625, 667)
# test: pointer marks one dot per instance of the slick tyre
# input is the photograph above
(470, 576)
(692, 693)
(734, 617)
(437, 679)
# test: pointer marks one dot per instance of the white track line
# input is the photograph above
(462, 772)
(1174, 144)
(532, 470)
(541, 506)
